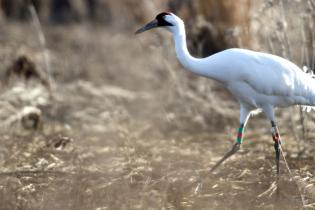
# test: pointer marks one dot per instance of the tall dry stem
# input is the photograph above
(42, 41)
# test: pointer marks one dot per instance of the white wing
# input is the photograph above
(267, 74)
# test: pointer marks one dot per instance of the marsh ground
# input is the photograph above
(142, 130)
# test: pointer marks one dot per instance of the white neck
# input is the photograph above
(195, 65)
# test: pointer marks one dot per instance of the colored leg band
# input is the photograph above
(275, 134)
(275, 137)
(240, 132)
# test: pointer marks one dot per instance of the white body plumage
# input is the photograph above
(259, 79)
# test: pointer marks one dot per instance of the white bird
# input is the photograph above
(257, 80)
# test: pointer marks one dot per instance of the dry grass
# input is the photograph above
(138, 131)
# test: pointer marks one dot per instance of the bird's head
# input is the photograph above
(165, 20)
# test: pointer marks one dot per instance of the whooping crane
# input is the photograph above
(257, 80)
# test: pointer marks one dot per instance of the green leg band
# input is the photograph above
(240, 132)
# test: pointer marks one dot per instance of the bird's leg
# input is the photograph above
(234, 149)
(276, 138)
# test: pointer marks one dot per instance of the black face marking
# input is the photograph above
(161, 21)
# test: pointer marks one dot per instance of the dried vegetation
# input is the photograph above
(126, 128)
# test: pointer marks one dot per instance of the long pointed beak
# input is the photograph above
(152, 24)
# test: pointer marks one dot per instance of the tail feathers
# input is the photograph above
(308, 108)
(309, 72)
